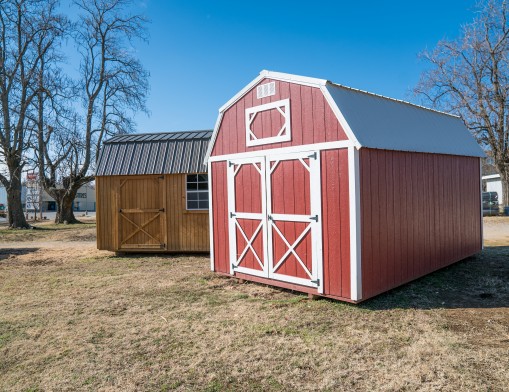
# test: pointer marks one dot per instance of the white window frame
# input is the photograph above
(284, 134)
(198, 191)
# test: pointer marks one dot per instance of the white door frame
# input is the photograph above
(314, 220)
(233, 168)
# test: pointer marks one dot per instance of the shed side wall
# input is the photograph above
(105, 193)
(312, 119)
(336, 223)
(220, 217)
(187, 231)
(419, 213)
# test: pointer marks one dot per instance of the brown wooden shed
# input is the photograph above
(152, 193)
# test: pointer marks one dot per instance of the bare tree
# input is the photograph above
(22, 23)
(469, 76)
(113, 86)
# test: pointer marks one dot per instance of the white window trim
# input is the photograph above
(284, 134)
(198, 191)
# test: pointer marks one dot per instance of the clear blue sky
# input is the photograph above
(203, 52)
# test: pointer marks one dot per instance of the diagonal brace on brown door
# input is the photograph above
(140, 228)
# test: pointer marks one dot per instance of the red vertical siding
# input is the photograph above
(336, 223)
(419, 213)
(312, 120)
(220, 217)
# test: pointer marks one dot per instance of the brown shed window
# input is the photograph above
(197, 192)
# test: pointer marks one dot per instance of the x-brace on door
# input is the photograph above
(275, 217)
(294, 218)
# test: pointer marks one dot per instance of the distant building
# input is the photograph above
(493, 183)
(84, 201)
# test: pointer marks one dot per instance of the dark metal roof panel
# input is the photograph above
(164, 153)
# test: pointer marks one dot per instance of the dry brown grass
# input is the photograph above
(74, 318)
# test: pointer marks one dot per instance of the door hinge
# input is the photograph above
(269, 217)
(120, 210)
(317, 282)
(315, 218)
(161, 209)
(232, 214)
(234, 266)
(230, 163)
(313, 155)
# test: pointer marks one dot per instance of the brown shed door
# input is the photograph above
(141, 214)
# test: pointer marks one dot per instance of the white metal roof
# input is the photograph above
(390, 124)
(375, 121)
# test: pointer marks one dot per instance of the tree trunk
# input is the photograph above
(65, 214)
(14, 206)
(505, 190)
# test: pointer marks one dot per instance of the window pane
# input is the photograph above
(203, 178)
(204, 204)
(203, 196)
(192, 187)
(192, 205)
(203, 186)
(192, 195)
(192, 178)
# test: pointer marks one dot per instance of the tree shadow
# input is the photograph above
(480, 281)
(7, 253)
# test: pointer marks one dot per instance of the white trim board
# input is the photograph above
(355, 224)
(284, 134)
(211, 219)
(284, 150)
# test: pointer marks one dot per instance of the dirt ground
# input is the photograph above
(496, 230)
(75, 318)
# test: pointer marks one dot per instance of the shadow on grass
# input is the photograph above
(480, 281)
(6, 253)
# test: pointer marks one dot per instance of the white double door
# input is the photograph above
(274, 207)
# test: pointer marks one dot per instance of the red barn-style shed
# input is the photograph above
(338, 192)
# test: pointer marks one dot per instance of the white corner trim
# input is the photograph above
(344, 124)
(211, 218)
(355, 224)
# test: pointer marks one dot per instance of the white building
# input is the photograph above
(493, 183)
(84, 201)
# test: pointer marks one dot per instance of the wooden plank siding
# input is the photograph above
(220, 217)
(186, 231)
(419, 213)
(312, 120)
(335, 223)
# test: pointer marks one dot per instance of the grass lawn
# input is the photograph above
(74, 318)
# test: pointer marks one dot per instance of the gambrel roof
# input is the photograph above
(154, 153)
(375, 121)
